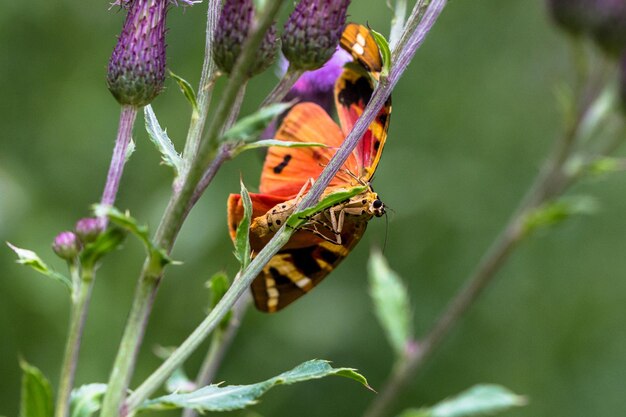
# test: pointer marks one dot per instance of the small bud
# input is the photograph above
(604, 20)
(66, 245)
(136, 70)
(610, 30)
(231, 32)
(88, 229)
(575, 16)
(312, 32)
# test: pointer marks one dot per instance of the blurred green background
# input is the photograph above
(473, 117)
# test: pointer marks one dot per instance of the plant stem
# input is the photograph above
(124, 134)
(174, 217)
(83, 285)
(282, 88)
(220, 343)
(380, 95)
(213, 319)
(551, 182)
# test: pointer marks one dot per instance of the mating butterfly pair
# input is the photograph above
(326, 239)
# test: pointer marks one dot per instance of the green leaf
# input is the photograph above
(233, 397)
(250, 127)
(106, 242)
(299, 218)
(391, 303)
(187, 91)
(163, 143)
(128, 223)
(265, 143)
(555, 212)
(479, 400)
(36, 395)
(87, 400)
(242, 241)
(218, 285)
(31, 259)
(385, 52)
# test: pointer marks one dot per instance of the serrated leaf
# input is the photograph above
(479, 400)
(299, 218)
(266, 143)
(163, 143)
(187, 91)
(250, 127)
(36, 394)
(233, 397)
(128, 223)
(385, 51)
(87, 400)
(391, 303)
(29, 258)
(555, 212)
(242, 240)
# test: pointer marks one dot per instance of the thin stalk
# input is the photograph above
(282, 88)
(380, 95)
(173, 219)
(213, 319)
(81, 295)
(551, 182)
(124, 133)
(205, 89)
(220, 343)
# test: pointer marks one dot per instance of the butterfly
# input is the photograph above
(316, 249)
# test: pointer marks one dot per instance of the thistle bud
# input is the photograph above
(136, 70)
(312, 32)
(610, 30)
(231, 32)
(66, 245)
(575, 16)
(88, 229)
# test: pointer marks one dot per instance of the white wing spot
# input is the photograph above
(303, 282)
(358, 49)
(360, 39)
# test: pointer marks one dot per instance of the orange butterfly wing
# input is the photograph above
(286, 170)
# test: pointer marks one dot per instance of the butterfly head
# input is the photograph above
(377, 207)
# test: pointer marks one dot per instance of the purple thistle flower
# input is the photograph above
(88, 229)
(312, 32)
(66, 245)
(136, 72)
(231, 32)
(318, 86)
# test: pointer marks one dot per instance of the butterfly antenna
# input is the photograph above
(386, 232)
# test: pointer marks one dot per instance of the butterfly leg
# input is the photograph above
(336, 221)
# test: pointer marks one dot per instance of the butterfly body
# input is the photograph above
(327, 237)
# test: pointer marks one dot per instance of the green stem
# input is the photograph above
(220, 343)
(81, 295)
(180, 355)
(174, 217)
